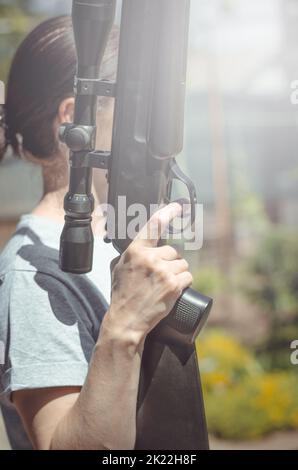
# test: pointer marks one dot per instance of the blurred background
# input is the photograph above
(241, 139)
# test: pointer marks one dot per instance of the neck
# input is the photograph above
(55, 173)
(51, 207)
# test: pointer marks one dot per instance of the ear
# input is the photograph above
(66, 110)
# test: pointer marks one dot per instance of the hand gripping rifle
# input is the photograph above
(147, 135)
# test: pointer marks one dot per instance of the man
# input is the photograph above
(73, 344)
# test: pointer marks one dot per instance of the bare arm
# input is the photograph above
(98, 416)
(147, 281)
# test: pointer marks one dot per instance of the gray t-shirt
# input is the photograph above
(49, 320)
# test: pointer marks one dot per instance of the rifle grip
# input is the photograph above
(186, 319)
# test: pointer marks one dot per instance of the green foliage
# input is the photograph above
(248, 208)
(270, 279)
(242, 400)
(209, 280)
(273, 274)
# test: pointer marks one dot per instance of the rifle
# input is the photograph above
(147, 135)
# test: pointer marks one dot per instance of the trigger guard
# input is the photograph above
(177, 173)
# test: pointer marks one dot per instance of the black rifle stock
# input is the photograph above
(147, 135)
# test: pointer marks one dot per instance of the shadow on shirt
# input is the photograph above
(74, 298)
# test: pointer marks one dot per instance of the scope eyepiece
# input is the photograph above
(76, 246)
(76, 241)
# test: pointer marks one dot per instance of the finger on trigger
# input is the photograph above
(159, 222)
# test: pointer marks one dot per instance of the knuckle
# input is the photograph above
(159, 219)
(155, 219)
(139, 260)
(130, 252)
(185, 264)
(173, 285)
(144, 259)
(140, 257)
(161, 273)
(173, 252)
(150, 258)
(133, 251)
(190, 278)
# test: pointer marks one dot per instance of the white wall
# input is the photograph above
(20, 187)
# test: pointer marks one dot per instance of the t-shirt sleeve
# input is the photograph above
(47, 338)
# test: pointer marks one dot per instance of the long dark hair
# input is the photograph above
(41, 76)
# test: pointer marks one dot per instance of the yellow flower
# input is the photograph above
(223, 361)
(242, 401)
(272, 395)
